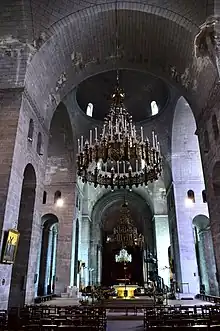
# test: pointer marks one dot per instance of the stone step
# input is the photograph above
(64, 295)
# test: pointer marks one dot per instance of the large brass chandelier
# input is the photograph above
(119, 156)
(125, 233)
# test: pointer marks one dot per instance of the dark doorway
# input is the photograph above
(47, 270)
(113, 272)
(25, 219)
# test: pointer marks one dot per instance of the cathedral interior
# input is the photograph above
(79, 181)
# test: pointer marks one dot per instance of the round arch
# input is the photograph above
(81, 60)
(47, 255)
(18, 289)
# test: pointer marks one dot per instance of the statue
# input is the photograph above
(207, 42)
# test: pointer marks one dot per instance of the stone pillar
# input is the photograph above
(54, 261)
(38, 263)
(49, 262)
(187, 253)
(207, 261)
(9, 110)
(162, 243)
(144, 266)
(99, 267)
(84, 246)
(65, 216)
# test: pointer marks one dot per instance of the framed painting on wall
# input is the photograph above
(10, 246)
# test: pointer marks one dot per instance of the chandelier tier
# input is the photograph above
(120, 157)
(123, 256)
(125, 233)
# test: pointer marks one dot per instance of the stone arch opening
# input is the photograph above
(215, 127)
(206, 142)
(47, 265)
(105, 217)
(216, 179)
(39, 143)
(26, 211)
(30, 131)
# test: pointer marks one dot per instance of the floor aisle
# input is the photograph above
(125, 326)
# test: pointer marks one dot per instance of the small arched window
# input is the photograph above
(39, 143)
(154, 108)
(206, 142)
(89, 109)
(216, 178)
(57, 196)
(44, 198)
(215, 127)
(204, 198)
(191, 195)
(31, 131)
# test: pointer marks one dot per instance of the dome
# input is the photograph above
(142, 90)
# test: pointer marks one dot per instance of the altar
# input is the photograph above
(129, 288)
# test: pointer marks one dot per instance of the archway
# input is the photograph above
(47, 267)
(20, 268)
(105, 216)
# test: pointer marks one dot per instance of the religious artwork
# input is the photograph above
(207, 42)
(10, 247)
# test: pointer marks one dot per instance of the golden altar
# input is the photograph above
(121, 288)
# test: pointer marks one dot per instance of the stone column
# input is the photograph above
(54, 262)
(99, 267)
(84, 246)
(10, 110)
(162, 243)
(207, 261)
(144, 266)
(38, 262)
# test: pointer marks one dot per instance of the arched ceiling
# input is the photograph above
(140, 90)
(48, 13)
(156, 37)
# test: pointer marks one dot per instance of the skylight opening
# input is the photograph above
(154, 108)
(89, 110)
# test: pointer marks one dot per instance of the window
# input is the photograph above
(89, 110)
(39, 143)
(206, 142)
(57, 196)
(31, 131)
(191, 195)
(216, 178)
(154, 108)
(215, 127)
(44, 198)
(204, 198)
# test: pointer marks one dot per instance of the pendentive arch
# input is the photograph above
(17, 293)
